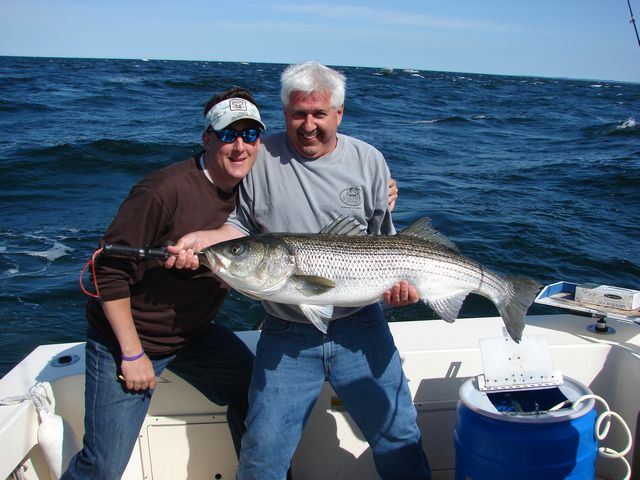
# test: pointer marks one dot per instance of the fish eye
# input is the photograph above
(236, 249)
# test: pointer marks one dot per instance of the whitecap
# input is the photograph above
(30, 304)
(56, 251)
(629, 123)
(426, 121)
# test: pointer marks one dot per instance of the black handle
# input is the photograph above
(116, 250)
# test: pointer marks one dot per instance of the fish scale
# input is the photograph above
(336, 258)
(324, 270)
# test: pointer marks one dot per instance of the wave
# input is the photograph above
(22, 107)
(626, 127)
(39, 275)
(455, 119)
(99, 156)
(56, 251)
(204, 83)
(46, 245)
(477, 119)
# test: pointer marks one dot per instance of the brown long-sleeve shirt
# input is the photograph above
(169, 306)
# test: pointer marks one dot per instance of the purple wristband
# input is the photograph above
(134, 357)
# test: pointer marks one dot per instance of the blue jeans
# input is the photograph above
(217, 363)
(360, 360)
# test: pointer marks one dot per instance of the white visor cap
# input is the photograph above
(224, 113)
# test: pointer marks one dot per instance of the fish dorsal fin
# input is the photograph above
(423, 229)
(345, 226)
(311, 285)
(319, 315)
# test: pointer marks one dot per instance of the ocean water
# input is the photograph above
(531, 176)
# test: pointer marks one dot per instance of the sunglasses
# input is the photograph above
(229, 135)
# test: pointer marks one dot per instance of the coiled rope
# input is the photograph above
(601, 432)
(91, 263)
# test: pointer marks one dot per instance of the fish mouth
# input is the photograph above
(215, 262)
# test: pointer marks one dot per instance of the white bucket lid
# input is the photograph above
(479, 402)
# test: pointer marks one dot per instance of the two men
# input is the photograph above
(149, 318)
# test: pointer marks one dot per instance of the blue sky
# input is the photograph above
(590, 39)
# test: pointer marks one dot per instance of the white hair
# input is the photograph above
(312, 77)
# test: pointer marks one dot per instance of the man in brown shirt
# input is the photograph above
(148, 318)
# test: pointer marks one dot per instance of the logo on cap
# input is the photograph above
(236, 104)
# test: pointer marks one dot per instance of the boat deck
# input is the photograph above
(438, 357)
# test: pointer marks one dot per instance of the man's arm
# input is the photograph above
(138, 374)
(184, 254)
(403, 293)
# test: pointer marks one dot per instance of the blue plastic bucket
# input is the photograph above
(512, 435)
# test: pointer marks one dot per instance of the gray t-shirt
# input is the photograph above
(286, 192)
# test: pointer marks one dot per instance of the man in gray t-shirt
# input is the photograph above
(302, 180)
(287, 192)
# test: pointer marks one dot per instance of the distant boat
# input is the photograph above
(384, 71)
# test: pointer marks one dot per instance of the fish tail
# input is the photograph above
(514, 308)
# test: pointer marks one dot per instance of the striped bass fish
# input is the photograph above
(343, 266)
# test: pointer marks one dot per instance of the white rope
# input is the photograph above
(14, 400)
(601, 433)
(37, 393)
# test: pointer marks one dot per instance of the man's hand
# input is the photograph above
(184, 254)
(138, 374)
(393, 194)
(401, 294)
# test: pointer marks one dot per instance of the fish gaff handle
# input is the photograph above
(116, 250)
